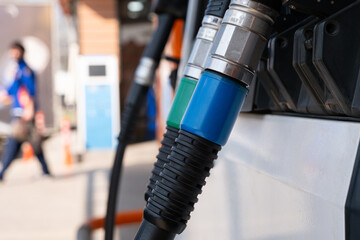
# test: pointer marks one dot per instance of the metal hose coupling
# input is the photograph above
(241, 40)
(145, 71)
(202, 46)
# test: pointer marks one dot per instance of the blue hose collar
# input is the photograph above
(214, 107)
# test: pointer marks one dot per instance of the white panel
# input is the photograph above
(111, 79)
(278, 178)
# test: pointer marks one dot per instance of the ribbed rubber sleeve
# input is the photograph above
(217, 8)
(181, 182)
(164, 151)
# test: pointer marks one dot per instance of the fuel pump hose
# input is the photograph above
(144, 76)
(214, 13)
(210, 116)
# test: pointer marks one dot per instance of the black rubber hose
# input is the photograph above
(149, 231)
(159, 38)
(135, 101)
(176, 8)
(182, 179)
(164, 151)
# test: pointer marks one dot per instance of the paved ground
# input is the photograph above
(37, 208)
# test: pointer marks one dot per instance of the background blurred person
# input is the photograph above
(21, 94)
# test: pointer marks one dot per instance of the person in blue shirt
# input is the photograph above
(21, 94)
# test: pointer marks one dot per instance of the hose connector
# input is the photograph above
(202, 46)
(241, 40)
(145, 71)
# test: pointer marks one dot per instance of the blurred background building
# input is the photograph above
(58, 35)
(62, 30)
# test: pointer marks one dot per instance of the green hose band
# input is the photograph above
(181, 101)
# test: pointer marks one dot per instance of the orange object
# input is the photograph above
(121, 218)
(177, 38)
(28, 152)
(68, 156)
(65, 132)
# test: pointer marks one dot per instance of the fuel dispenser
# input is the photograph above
(290, 167)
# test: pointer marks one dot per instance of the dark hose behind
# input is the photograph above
(134, 101)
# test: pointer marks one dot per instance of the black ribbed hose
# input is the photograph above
(175, 194)
(164, 151)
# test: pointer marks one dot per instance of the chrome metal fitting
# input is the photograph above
(202, 46)
(144, 74)
(241, 39)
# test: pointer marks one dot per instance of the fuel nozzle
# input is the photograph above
(195, 65)
(210, 115)
(167, 11)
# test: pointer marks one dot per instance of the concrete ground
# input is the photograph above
(39, 208)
